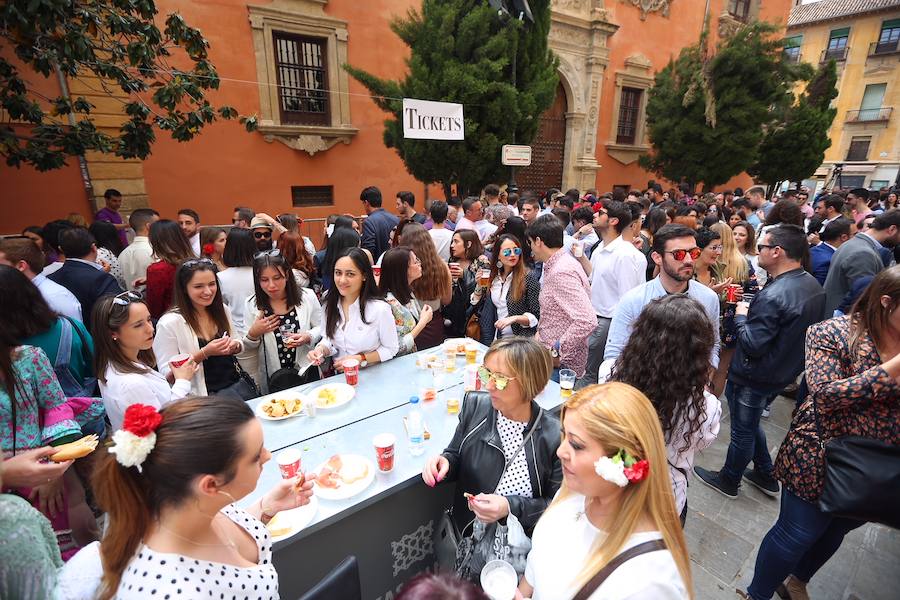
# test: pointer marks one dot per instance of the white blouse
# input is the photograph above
(121, 390)
(353, 336)
(237, 286)
(499, 293)
(564, 538)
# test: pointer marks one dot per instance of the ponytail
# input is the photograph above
(119, 491)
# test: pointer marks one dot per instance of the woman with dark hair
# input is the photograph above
(340, 240)
(199, 325)
(853, 374)
(466, 259)
(212, 245)
(124, 360)
(109, 246)
(707, 268)
(294, 252)
(510, 304)
(237, 281)
(332, 222)
(35, 234)
(400, 267)
(359, 324)
(516, 226)
(440, 586)
(433, 288)
(170, 248)
(673, 335)
(656, 218)
(174, 527)
(284, 321)
(784, 211)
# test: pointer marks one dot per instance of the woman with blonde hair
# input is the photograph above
(612, 531)
(433, 287)
(745, 239)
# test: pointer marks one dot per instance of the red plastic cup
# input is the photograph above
(289, 462)
(351, 371)
(179, 359)
(376, 271)
(732, 292)
(384, 451)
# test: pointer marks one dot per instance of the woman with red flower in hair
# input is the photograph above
(212, 245)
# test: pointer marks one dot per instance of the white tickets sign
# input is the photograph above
(426, 120)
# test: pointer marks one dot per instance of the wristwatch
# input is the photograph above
(362, 359)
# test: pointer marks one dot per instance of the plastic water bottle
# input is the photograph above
(415, 429)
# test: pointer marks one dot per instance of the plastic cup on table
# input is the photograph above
(289, 461)
(351, 371)
(566, 382)
(471, 352)
(384, 451)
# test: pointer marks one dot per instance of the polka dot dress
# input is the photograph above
(287, 356)
(515, 481)
(163, 576)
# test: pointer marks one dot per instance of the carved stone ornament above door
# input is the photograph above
(649, 6)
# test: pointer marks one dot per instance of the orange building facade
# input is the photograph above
(609, 52)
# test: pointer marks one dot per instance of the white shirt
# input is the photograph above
(499, 293)
(195, 242)
(587, 241)
(482, 227)
(563, 539)
(52, 268)
(681, 461)
(60, 299)
(121, 390)
(441, 239)
(616, 269)
(135, 259)
(353, 336)
(237, 286)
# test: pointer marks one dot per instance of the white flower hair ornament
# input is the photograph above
(622, 468)
(132, 444)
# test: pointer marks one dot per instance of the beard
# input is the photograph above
(676, 273)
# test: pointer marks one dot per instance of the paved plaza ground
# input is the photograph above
(724, 535)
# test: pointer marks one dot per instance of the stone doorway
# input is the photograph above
(547, 150)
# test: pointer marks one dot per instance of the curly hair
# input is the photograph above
(667, 358)
(435, 280)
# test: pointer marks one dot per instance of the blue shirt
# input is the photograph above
(634, 301)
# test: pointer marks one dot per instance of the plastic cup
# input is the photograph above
(471, 353)
(179, 359)
(577, 249)
(376, 271)
(471, 381)
(384, 451)
(452, 406)
(499, 580)
(732, 292)
(289, 462)
(484, 277)
(428, 393)
(748, 298)
(566, 382)
(351, 371)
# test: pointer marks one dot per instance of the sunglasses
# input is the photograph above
(126, 298)
(680, 255)
(760, 247)
(273, 252)
(198, 261)
(500, 381)
(261, 235)
(507, 252)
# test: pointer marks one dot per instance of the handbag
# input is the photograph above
(473, 326)
(286, 377)
(862, 478)
(603, 574)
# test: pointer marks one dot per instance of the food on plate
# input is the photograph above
(77, 449)
(281, 407)
(336, 472)
(278, 526)
(426, 362)
(327, 396)
(461, 346)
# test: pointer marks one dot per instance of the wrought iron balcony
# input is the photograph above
(879, 48)
(869, 115)
(836, 54)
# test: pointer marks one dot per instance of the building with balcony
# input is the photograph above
(863, 38)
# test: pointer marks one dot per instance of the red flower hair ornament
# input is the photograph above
(133, 443)
(622, 468)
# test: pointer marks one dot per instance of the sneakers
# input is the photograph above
(792, 589)
(715, 481)
(766, 484)
(766, 412)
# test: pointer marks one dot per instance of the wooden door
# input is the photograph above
(547, 150)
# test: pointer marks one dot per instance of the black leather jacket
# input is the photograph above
(770, 340)
(476, 460)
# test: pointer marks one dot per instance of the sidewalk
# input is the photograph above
(724, 535)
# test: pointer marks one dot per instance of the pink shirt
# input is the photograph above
(567, 315)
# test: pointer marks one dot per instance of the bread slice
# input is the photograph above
(354, 471)
(77, 449)
(278, 526)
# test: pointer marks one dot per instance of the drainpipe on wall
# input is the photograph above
(82, 162)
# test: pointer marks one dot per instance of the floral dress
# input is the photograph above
(405, 318)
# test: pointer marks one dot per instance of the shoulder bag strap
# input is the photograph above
(519, 449)
(597, 580)
(64, 349)
(85, 349)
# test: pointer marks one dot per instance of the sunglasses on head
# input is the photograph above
(273, 252)
(261, 235)
(198, 261)
(500, 381)
(681, 254)
(511, 251)
(126, 298)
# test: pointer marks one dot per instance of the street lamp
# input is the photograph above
(513, 10)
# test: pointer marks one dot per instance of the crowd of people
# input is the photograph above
(658, 303)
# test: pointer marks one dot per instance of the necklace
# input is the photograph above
(582, 513)
(228, 544)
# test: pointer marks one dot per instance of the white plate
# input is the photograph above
(264, 416)
(346, 490)
(344, 394)
(298, 518)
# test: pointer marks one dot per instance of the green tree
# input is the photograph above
(118, 42)
(706, 115)
(794, 147)
(461, 51)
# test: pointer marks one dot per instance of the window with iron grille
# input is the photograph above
(889, 38)
(302, 79)
(629, 109)
(837, 44)
(312, 195)
(859, 148)
(739, 9)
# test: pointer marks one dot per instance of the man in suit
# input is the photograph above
(81, 274)
(833, 236)
(377, 226)
(859, 257)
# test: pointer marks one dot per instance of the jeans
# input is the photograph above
(748, 440)
(801, 541)
(596, 346)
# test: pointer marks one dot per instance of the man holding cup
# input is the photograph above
(771, 332)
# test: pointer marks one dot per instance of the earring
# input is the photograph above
(499, 265)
